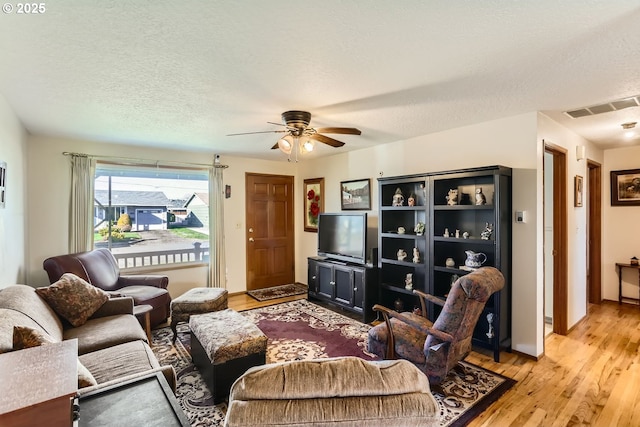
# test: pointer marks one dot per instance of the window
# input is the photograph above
(151, 215)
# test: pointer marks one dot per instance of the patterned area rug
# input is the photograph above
(301, 330)
(278, 292)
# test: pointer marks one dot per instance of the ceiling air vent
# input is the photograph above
(619, 104)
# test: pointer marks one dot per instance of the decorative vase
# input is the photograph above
(474, 259)
(450, 263)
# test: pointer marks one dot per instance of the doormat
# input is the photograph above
(301, 330)
(278, 292)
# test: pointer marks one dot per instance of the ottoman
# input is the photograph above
(196, 301)
(224, 344)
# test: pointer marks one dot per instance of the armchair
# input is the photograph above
(100, 268)
(436, 348)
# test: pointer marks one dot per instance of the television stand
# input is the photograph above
(352, 287)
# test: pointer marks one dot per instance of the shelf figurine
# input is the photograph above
(452, 197)
(411, 201)
(465, 235)
(481, 199)
(419, 228)
(457, 233)
(446, 233)
(398, 198)
(490, 334)
(416, 255)
(486, 234)
(408, 282)
(402, 254)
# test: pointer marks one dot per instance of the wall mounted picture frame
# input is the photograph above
(578, 186)
(3, 184)
(355, 195)
(313, 203)
(625, 187)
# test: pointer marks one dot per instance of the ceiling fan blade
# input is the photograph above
(345, 131)
(278, 124)
(325, 139)
(251, 133)
(274, 146)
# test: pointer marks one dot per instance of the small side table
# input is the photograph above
(142, 312)
(620, 266)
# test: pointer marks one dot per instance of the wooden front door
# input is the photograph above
(269, 232)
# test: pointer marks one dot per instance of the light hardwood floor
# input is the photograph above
(590, 377)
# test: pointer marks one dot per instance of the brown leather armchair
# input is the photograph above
(100, 268)
(436, 348)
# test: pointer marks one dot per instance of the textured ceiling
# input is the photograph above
(187, 73)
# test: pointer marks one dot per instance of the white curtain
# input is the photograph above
(217, 263)
(81, 204)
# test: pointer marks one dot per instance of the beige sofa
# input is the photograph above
(111, 344)
(344, 391)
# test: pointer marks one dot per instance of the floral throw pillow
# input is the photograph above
(25, 337)
(73, 298)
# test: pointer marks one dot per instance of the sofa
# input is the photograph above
(341, 391)
(112, 345)
(100, 268)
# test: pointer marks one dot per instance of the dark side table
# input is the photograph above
(143, 313)
(145, 401)
(621, 266)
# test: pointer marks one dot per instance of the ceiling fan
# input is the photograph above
(297, 132)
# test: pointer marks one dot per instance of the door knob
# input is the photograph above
(250, 230)
(251, 239)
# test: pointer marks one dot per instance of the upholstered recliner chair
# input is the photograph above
(100, 268)
(436, 348)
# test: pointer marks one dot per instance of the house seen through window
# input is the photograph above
(151, 215)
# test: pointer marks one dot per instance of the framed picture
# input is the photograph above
(3, 183)
(625, 187)
(356, 195)
(313, 203)
(577, 191)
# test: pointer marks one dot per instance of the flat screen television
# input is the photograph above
(343, 236)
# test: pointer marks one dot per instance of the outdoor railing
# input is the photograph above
(171, 256)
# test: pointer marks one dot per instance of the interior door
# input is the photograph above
(559, 250)
(594, 232)
(270, 228)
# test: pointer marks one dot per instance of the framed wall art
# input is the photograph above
(356, 195)
(625, 187)
(577, 191)
(313, 203)
(3, 184)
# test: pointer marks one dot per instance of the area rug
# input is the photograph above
(300, 330)
(278, 292)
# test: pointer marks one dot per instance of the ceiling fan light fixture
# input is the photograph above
(306, 144)
(285, 144)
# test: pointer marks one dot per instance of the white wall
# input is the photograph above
(621, 229)
(12, 218)
(49, 173)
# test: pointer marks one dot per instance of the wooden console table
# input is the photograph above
(620, 267)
